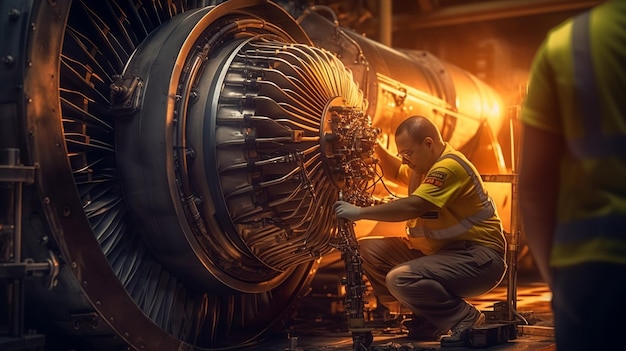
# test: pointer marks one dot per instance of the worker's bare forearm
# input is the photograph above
(538, 227)
(538, 192)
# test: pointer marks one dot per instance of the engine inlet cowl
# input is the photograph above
(226, 168)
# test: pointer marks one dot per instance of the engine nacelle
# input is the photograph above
(187, 159)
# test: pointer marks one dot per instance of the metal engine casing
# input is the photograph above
(186, 159)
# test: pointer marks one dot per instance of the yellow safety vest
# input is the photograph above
(591, 223)
(466, 211)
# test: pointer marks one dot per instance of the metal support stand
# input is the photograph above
(12, 268)
(512, 252)
(512, 241)
(354, 303)
(355, 287)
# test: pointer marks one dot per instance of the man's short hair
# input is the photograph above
(418, 128)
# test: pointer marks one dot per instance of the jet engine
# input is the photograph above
(167, 168)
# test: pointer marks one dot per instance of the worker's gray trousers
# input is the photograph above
(431, 286)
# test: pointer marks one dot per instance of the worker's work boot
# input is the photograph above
(420, 329)
(459, 331)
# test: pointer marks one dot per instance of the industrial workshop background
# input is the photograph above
(167, 167)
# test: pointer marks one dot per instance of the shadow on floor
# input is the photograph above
(318, 323)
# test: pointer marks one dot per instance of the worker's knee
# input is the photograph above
(406, 284)
(403, 277)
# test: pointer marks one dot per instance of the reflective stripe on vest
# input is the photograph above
(611, 226)
(488, 210)
(594, 143)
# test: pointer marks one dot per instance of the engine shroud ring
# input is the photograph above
(123, 294)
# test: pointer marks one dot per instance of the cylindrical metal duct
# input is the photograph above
(401, 83)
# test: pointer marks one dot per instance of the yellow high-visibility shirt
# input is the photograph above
(466, 212)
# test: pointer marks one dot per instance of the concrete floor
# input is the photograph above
(326, 333)
(396, 343)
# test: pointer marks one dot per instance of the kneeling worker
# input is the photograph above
(455, 247)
